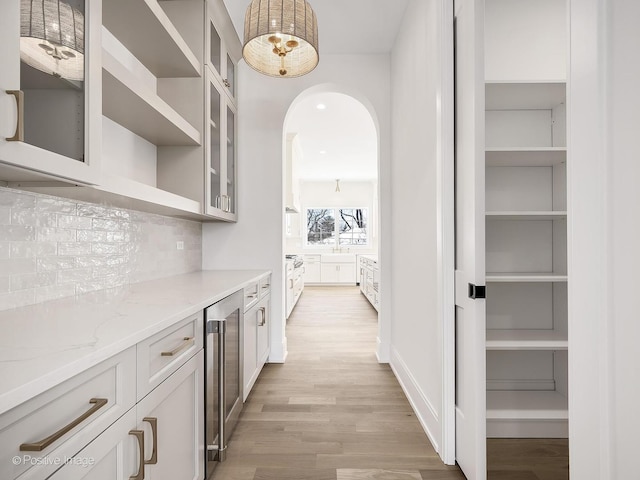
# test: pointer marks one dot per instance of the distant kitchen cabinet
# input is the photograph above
(293, 157)
(369, 274)
(338, 268)
(49, 109)
(311, 269)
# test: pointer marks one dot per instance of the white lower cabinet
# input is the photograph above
(90, 426)
(257, 326)
(172, 419)
(38, 436)
(338, 273)
(113, 455)
(161, 438)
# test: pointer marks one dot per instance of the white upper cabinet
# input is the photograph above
(50, 91)
(223, 47)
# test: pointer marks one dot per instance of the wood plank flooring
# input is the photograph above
(331, 412)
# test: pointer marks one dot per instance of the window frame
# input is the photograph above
(336, 228)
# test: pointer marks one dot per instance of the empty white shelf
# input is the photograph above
(147, 32)
(526, 405)
(508, 277)
(526, 340)
(128, 102)
(525, 157)
(526, 215)
(524, 95)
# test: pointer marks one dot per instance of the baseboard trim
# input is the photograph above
(422, 407)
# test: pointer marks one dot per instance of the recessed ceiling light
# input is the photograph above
(323, 152)
(321, 106)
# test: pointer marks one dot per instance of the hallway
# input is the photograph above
(331, 412)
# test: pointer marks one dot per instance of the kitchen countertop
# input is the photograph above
(45, 344)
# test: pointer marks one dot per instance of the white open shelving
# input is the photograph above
(129, 102)
(525, 157)
(527, 215)
(148, 33)
(515, 277)
(526, 340)
(526, 218)
(527, 405)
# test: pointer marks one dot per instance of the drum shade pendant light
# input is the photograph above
(52, 38)
(281, 37)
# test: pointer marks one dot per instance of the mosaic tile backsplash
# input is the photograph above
(52, 247)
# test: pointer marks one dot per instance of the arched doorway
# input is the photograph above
(331, 169)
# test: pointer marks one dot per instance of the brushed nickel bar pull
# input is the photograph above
(153, 421)
(263, 312)
(42, 444)
(19, 135)
(139, 434)
(187, 341)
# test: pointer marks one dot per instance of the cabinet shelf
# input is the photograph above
(525, 157)
(513, 277)
(526, 340)
(148, 33)
(526, 405)
(524, 95)
(526, 215)
(139, 192)
(128, 102)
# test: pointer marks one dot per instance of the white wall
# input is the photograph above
(604, 173)
(257, 240)
(529, 54)
(417, 312)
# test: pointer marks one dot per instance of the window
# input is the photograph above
(350, 229)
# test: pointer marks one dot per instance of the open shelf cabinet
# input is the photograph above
(526, 259)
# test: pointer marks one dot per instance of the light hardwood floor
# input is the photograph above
(332, 412)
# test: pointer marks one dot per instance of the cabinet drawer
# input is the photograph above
(265, 286)
(64, 419)
(161, 355)
(251, 295)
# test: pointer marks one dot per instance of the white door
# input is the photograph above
(470, 267)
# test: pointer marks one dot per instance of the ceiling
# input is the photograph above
(338, 142)
(345, 26)
(344, 130)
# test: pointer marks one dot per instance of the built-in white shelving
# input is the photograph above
(130, 103)
(525, 157)
(527, 405)
(493, 277)
(526, 215)
(526, 340)
(524, 95)
(148, 33)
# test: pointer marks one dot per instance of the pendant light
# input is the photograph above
(52, 38)
(281, 37)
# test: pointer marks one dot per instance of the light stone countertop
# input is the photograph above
(45, 344)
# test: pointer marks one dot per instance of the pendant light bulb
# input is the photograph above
(337, 184)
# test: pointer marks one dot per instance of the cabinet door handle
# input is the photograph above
(42, 444)
(186, 341)
(139, 434)
(153, 421)
(263, 313)
(19, 135)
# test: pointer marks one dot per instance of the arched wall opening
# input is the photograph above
(344, 119)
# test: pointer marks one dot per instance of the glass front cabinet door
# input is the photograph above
(47, 90)
(220, 59)
(221, 145)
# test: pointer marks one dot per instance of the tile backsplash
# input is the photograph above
(52, 247)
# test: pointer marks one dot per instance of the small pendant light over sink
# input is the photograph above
(281, 37)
